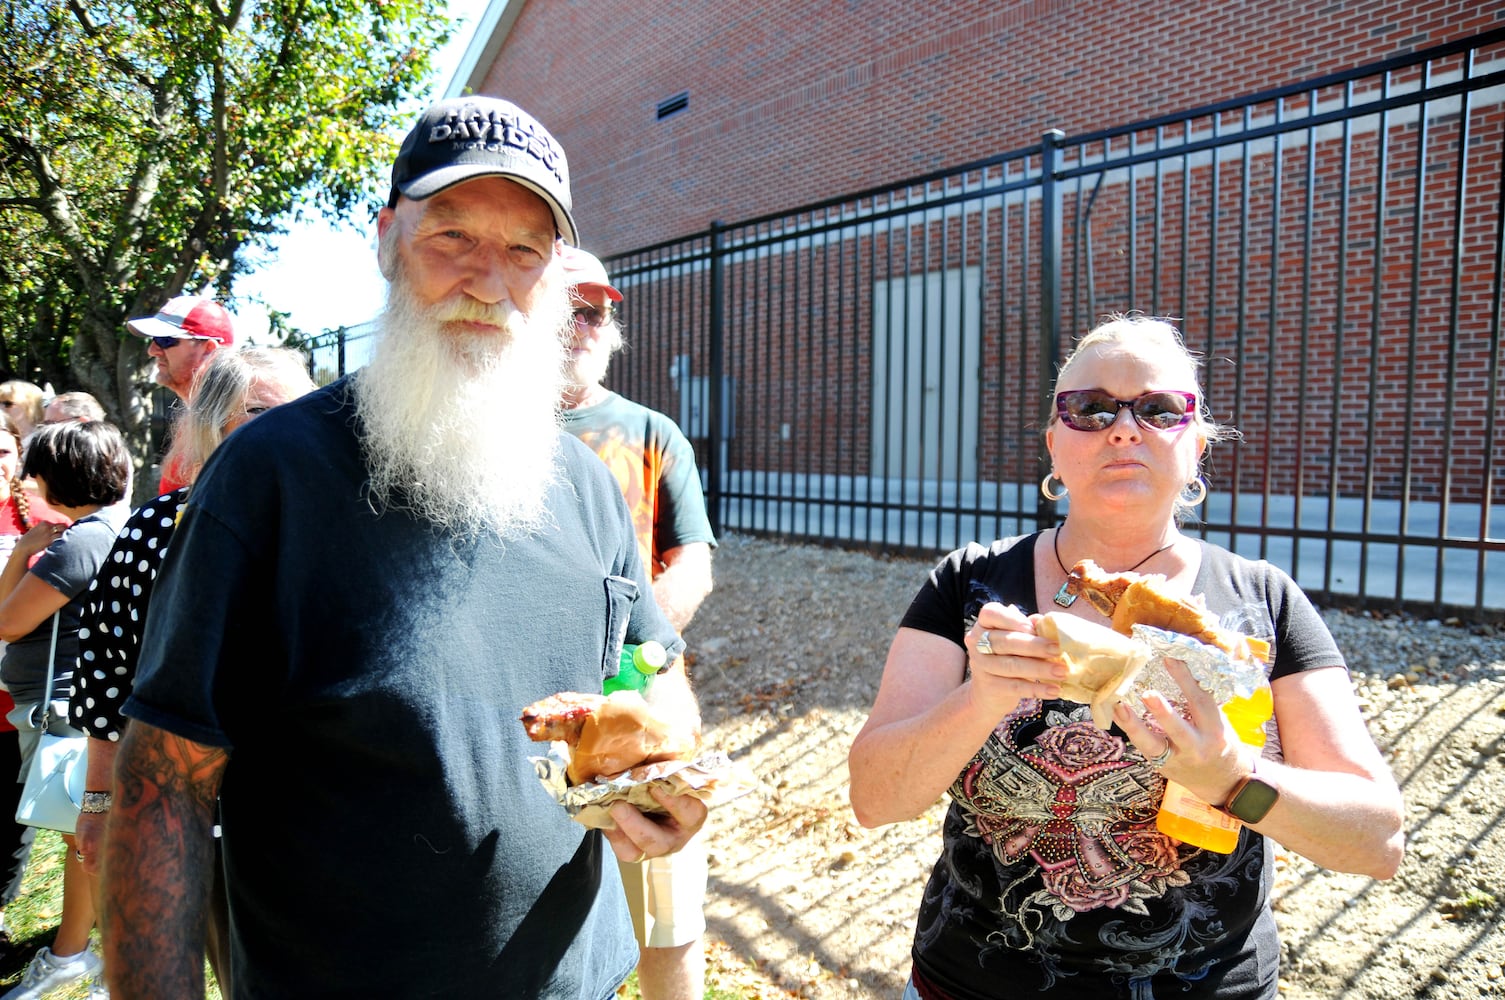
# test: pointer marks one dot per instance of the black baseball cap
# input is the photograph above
(468, 137)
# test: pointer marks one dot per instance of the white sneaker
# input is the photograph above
(47, 972)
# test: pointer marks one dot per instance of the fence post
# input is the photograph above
(715, 407)
(1050, 295)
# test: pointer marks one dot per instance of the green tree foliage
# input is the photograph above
(144, 148)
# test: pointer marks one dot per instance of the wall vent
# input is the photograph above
(673, 105)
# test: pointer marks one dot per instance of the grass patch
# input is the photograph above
(33, 918)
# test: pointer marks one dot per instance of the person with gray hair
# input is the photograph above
(79, 406)
(367, 588)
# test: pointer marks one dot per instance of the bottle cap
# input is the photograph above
(650, 657)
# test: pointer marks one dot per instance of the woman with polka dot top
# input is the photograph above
(230, 390)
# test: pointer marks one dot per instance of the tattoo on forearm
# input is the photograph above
(159, 863)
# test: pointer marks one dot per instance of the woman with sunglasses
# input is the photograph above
(1054, 878)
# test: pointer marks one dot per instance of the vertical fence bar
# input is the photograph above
(1309, 185)
(1492, 382)
(715, 406)
(1376, 307)
(1050, 294)
(1272, 335)
(1455, 281)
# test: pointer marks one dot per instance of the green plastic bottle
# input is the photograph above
(638, 666)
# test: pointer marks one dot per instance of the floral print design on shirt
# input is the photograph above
(1077, 800)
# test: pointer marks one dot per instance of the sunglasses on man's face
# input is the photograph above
(167, 343)
(1096, 410)
(589, 316)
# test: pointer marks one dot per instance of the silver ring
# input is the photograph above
(1163, 757)
(985, 643)
(79, 855)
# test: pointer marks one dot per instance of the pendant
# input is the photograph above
(1062, 598)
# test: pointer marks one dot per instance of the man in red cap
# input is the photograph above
(182, 336)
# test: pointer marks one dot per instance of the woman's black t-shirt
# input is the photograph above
(1052, 875)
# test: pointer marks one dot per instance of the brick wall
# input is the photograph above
(1331, 345)
(792, 102)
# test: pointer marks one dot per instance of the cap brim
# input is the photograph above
(611, 293)
(438, 180)
(151, 326)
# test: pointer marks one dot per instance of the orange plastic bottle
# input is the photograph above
(1185, 816)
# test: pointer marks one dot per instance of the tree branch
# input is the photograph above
(93, 31)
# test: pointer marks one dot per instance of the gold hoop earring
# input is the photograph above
(1045, 488)
(1198, 488)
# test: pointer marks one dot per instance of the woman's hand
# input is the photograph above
(1206, 754)
(36, 539)
(1009, 662)
(89, 840)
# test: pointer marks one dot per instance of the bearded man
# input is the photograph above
(367, 587)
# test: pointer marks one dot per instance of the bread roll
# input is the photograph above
(1103, 664)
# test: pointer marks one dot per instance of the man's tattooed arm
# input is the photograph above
(159, 864)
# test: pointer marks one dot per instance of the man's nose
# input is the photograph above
(152, 350)
(487, 278)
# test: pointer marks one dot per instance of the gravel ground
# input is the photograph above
(787, 654)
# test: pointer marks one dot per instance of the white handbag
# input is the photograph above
(55, 779)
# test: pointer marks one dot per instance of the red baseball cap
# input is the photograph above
(187, 317)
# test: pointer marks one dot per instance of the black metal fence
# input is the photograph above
(873, 370)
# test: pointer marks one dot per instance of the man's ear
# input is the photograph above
(385, 219)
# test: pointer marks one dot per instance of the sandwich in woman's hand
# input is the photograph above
(1130, 599)
(1102, 663)
(607, 734)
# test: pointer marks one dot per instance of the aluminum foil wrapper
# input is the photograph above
(1219, 674)
(713, 778)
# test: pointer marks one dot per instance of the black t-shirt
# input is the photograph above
(385, 833)
(1053, 877)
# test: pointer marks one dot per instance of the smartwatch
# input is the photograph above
(1251, 799)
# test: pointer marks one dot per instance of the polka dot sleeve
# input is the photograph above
(115, 615)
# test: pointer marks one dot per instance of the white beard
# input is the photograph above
(461, 431)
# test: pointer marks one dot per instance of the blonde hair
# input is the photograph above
(27, 396)
(1158, 336)
(219, 395)
(76, 406)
